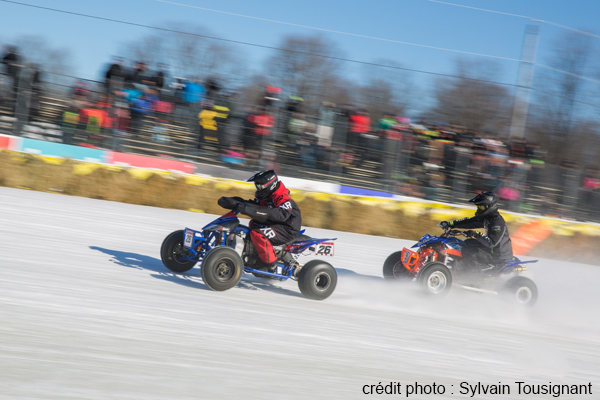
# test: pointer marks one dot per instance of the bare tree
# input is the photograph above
(191, 55)
(252, 92)
(386, 90)
(471, 100)
(564, 100)
(54, 62)
(305, 66)
(339, 90)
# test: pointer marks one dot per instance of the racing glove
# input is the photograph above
(472, 234)
(229, 202)
(253, 211)
(446, 224)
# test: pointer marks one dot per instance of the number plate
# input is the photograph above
(188, 240)
(324, 249)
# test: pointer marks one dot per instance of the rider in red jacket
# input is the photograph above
(276, 218)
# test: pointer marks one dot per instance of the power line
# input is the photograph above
(338, 32)
(253, 44)
(312, 54)
(407, 43)
(294, 51)
(568, 73)
(517, 16)
(479, 9)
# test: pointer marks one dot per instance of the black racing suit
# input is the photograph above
(493, 247)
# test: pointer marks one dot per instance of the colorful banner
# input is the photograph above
(9, 142)
(313, 186)
(363, 192)
(62, 150)
(132, 160)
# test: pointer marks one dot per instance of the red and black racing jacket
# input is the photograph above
(279, 211)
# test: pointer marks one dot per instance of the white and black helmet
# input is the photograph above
(266, 182)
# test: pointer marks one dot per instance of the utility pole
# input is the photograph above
(523, 92)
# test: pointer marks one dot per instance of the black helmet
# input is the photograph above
(486, 204)
(266, 182)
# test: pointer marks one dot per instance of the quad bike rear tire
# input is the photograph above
(317, 280)
(521, 290)
(171, 249)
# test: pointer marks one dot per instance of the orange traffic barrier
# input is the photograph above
(528, 236)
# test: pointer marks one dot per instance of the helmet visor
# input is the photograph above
(481, 207)
(262, 186)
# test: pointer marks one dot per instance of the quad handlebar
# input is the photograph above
(448, 232)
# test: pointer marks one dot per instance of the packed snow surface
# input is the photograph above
(88, 311)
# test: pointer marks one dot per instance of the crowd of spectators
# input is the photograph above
(137, 106)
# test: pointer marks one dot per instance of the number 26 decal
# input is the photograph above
(324, 249)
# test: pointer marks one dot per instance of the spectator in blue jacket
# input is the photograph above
(193, 92)
(141, 108)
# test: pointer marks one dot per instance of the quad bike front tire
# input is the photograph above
(521, 290)
(221, 268)
(172, 249)
(317, 280)
(394, 269)
(435, 279)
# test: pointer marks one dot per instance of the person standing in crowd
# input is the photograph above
(212, 89)
(360, 125)
(141, 108)
(295, 130)
(260, 123)
(388, 127)
(193, 93)
(113, 79)
(36, 92)
(12, 61)
(141, 75)
(121, 121)
(270, 97)
(161, 75)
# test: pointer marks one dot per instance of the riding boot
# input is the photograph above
(268, 267)
(491, 269)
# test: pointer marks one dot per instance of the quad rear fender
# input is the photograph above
(302, 245)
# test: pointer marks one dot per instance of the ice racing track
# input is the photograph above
(88, 311)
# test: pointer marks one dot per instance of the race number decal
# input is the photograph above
(188, 241)
(324, 249)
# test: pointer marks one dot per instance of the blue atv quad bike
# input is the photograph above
(225, 251)
(437, 265)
